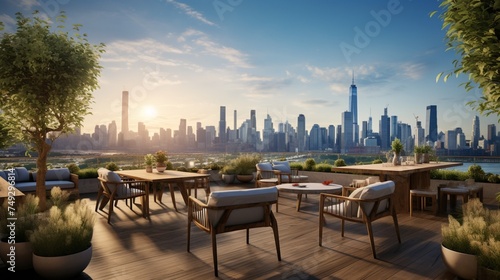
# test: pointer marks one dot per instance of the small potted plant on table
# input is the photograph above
(161, 159)
(397, 148)
(148, 161)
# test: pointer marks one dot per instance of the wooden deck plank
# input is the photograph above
(137, 248)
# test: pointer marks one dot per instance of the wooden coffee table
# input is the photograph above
(308, 188)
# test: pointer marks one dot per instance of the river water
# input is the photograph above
(488, 167)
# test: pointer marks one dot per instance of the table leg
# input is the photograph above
(172, 195)
(299, 200)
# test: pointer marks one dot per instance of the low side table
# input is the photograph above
(308, 188)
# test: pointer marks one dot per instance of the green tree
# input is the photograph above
(473, 31)
(47, 77)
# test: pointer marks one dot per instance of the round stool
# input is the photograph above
(421, 196)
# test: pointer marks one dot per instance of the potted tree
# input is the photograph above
(161, 159)
(17, 234)
(472, 245)
(61, 242)
(148, 161)
(397, 148)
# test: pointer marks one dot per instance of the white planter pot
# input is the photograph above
(20, 259)
(460, 264)
(62, 267)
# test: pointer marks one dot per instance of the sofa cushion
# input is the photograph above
(22, 174)
(62, 184)
(3, 174)
(237, 197)
(58, 174)
(26, 186)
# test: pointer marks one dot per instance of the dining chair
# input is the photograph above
(113, 188)
(287, 174)
(227, 211)
(364, 205)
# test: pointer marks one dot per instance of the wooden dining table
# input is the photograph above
(166, 177)
(406, 177)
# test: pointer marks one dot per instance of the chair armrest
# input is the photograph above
(198, 213)
(346, 191)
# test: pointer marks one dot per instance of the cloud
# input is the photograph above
(209, 47)
(265, 83)
(28, 4)
(190, 12)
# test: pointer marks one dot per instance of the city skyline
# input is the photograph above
(183, 60)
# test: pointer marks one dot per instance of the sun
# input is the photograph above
(149, 111)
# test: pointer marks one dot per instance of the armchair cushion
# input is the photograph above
(374, 191)
(22, 174)
(236, 197)
(265, 166)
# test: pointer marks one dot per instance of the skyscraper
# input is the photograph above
(475, 132)
(125, 114)
(347, 132)
(301, 133)
(394, 128)
(353, 108)
(222, 125)
(384, 131)
(431, 132)
(353, 101)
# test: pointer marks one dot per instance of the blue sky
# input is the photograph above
(185, 59)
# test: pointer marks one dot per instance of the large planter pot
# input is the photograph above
(460, 264)
(18, 259)
(228, 178)
(62, 267)
(244, 178)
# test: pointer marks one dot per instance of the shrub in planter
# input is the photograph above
(339, 162)
(112, 166)
(73, 168)
(477, 234)
(323, 167)
(296, 166)
(309, 164)
(476, 172)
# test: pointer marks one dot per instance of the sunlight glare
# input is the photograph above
(149, 112)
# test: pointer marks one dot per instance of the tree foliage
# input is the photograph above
(47, 77)
(473, 31)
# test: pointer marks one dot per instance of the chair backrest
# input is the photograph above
(221, 199)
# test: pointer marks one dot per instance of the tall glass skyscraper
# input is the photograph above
(431, 129)
(353, 108)
(301, 133)
(222, 125)
(475, 132)
(353, 101)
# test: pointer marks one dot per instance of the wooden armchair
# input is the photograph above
(266, 175)
(287, 174)
(112, 188)
(363, 205)
(227, 211)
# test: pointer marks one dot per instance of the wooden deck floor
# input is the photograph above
(137, 248)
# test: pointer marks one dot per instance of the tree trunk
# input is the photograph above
(41, 164)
